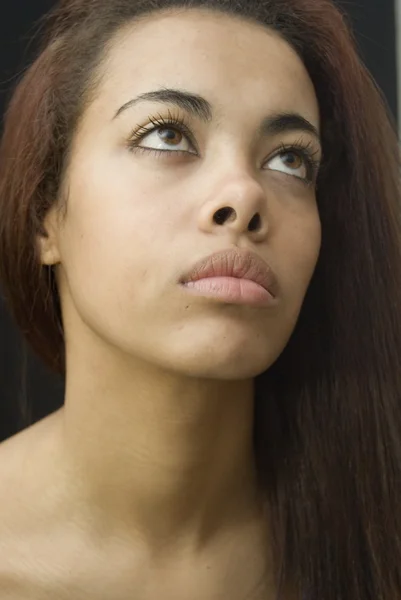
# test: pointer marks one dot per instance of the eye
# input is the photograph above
(167, 135)
(167, 138)
(297, 161)
(291, 162)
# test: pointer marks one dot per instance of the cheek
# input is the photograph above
(108, 214)
(300, 252)
(109, 251)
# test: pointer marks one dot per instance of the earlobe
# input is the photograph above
(49, 254)
(47, 242)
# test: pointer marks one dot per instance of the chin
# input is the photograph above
(218, 364)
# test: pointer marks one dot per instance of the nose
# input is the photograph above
(238, 207)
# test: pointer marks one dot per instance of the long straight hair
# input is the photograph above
(328, 412)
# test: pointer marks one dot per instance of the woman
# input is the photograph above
(200, 229)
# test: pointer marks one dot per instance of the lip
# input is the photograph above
(225, 268)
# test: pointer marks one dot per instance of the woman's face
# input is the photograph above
(138, 219)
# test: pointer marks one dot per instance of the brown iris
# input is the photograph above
(293, 160)
(169, 135)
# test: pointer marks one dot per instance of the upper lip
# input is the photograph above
(234, 262)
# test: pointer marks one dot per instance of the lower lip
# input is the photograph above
(232, 290)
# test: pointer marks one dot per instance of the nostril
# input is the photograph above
(223, 214)
(255, 223)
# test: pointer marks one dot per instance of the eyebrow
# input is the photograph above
(197, 106)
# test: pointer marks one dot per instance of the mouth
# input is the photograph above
(235, 276)
(231, 290)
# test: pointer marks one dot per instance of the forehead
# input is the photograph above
(232, 62)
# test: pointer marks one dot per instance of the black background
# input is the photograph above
(23, 379)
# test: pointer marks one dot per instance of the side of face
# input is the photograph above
(138, 219)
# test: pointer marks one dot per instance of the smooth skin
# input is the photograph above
(143, 485)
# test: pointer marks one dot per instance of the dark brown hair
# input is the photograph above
(328, 412)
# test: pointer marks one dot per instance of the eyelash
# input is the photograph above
(305, 151)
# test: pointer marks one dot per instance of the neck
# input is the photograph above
(165, 456)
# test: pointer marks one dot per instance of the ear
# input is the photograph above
(48, 239)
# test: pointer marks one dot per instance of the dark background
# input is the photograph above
(28, 391)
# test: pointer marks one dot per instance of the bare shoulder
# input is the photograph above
(46, 552)
(24, 464)
(24, 471)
